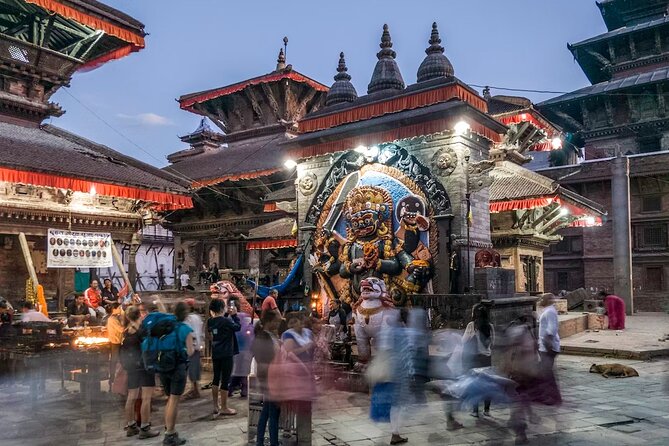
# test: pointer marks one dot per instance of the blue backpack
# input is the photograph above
(162, 350)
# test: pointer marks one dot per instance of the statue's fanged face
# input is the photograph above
(372, 288)
(365, 224)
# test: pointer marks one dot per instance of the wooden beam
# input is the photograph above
(25, 249)
(301, 107)
(119, 263)
(548, 213)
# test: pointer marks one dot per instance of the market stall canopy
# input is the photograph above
(51, 157)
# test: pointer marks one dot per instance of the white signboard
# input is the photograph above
(72, 249)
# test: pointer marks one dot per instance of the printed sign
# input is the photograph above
(72, 249)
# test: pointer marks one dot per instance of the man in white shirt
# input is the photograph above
(185, 282)
(29, 314)
(549, 347)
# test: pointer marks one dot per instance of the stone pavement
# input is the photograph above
(597, 411)
(640, 340)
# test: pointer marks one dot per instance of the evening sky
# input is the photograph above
(195, 45)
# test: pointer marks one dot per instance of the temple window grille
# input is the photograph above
(651, 203)
(562, 280)
(651, 237)
(654, 278)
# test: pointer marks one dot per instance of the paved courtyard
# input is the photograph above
(597, 411)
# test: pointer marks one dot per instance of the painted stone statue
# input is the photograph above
(372, 312)
(226, 290)
(370, 249)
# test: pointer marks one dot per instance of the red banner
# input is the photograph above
(271, 244)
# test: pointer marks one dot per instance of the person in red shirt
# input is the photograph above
(269, 303)
(93, 299)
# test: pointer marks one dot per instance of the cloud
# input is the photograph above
(151, 119)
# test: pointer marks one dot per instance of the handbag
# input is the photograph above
(120, 384)
(379, 370)
(289, 379)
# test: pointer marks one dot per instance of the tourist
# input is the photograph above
(194, 321)
(177, 277)
(204, 275)
(242, 361)
(140, 382)
(77, 312)
(549, 347)
(161, 277)
(185, 282)
(615, 310)
(29, 314)
(174, 383)
(6, 315)
(337, 317)
(93, 298)
(477, 342)
(222, 325)
(269, 303)
(299, 340)
(265, 347)
(520, 363)
(109, 292)
(115, 335)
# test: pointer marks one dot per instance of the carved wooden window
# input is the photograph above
(647, 108)
(651, 236)
(645, 44)
(654, 278)
(568, 245)
(622, 48)
(649, 144)
(651, 203)
(597, 113)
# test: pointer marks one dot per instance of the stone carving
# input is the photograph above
(308, 184)
(487, 258)
(390, 155)
(444, 161)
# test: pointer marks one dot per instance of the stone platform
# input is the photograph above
(640, 340)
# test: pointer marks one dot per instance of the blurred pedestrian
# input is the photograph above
(549, 348)
(115, 329)
(194, 321)
(140, 382)
(242, 361)
(265, 347)
(477, 342)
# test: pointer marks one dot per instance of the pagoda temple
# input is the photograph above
(243, 194)
(622, 124)
(421, 183)
(51, 178)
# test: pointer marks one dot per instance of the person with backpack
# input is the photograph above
(139, 380)
(222, 325)
(168, 344)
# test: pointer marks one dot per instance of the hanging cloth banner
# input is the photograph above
(73, 249)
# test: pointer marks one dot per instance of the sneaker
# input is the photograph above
(147, 432)
(131, 431)
(173, 440)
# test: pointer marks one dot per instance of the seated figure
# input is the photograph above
(78, 313)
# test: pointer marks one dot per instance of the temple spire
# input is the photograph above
(342, 90)
(435, 64)
(281, 60)
(386, 74)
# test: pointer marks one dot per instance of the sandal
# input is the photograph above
(215, 414)
(396, 439)
(229, 413)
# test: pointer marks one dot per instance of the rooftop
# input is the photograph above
(658, 75)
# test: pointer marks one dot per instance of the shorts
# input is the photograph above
(194, 366)
(175, 383)
(140, 378)
(222, 371)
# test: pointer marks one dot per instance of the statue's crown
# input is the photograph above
(368, 198)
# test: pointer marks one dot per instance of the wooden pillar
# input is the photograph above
(60, 288)
(28, 259)
(442, 264)
(119, 263)
(132, 263)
